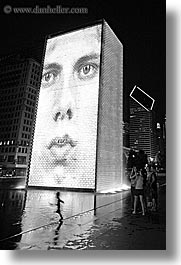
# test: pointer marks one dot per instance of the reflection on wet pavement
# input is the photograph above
(12, 205)
(34, 219)
(91, 221)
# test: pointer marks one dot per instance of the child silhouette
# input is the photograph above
(58, 205)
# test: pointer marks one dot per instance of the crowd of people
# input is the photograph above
(144, 188)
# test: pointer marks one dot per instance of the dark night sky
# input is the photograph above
(140, 26)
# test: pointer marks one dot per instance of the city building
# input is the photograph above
(160, 139)
(143, 129)
(164, 134)
(160, 158)
(126, 134)
(19, 85)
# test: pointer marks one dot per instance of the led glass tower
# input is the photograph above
(78, 134)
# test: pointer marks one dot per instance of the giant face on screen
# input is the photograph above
(64, 145)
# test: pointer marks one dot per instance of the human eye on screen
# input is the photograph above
(88, 71)
(49, 78)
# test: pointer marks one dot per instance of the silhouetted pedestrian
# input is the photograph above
(153, 188)
(58, 205)
(133, 183)
(148, 199)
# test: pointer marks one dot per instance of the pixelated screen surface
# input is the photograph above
(110, 134)
(64, 145)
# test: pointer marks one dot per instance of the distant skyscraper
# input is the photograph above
(126, 134)
(164, 137)
(19, 83)
(142, 129)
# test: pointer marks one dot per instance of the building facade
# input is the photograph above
(19, 83)
(143, 129)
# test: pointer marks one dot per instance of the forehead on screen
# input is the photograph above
(81, 35)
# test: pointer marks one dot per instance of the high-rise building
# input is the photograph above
(143, 129)
(126, 134)
(160, 141)
(19, 84)
(164, 134)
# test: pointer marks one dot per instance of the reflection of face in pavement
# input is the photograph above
(65, 135)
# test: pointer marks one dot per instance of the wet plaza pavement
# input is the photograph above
(28, 220)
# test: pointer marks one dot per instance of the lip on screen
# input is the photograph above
(62, 148)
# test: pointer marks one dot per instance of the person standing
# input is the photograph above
(139, 192)
(153, 188)
(148, 200)
(133, 183)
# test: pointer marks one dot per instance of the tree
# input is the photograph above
(141, 159)
(131, 159)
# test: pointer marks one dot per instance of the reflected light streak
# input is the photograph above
(123, 187)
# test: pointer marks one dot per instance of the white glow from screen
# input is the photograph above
(64, 147)
(122, 187)
(20, 187)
